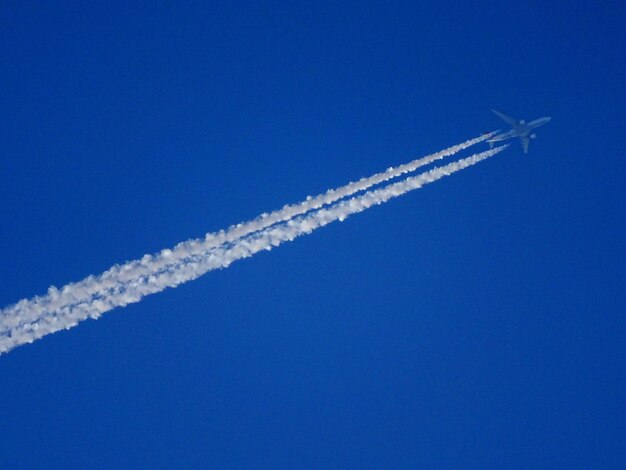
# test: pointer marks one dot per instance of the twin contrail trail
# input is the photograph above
(121, 285)
(30, 310)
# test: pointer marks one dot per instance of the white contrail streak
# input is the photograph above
(29, 310)
(192, 267)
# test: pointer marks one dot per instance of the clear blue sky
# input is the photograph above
(476, 323)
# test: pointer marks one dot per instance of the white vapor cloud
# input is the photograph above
(29, 320)
(92, 287)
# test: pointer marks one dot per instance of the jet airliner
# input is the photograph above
(521, 129)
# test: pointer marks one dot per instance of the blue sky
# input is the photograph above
(476, 323)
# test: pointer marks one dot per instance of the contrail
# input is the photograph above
(29, 310)
(223, 256)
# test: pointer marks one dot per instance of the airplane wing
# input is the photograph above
(509, 120)
(525, 141)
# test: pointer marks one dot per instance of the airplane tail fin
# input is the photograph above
(490, 144)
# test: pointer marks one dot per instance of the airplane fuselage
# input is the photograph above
(522, 129)
(538, 122)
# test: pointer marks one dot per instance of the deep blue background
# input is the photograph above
(478, 322)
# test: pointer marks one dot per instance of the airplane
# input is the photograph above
(521, 129)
